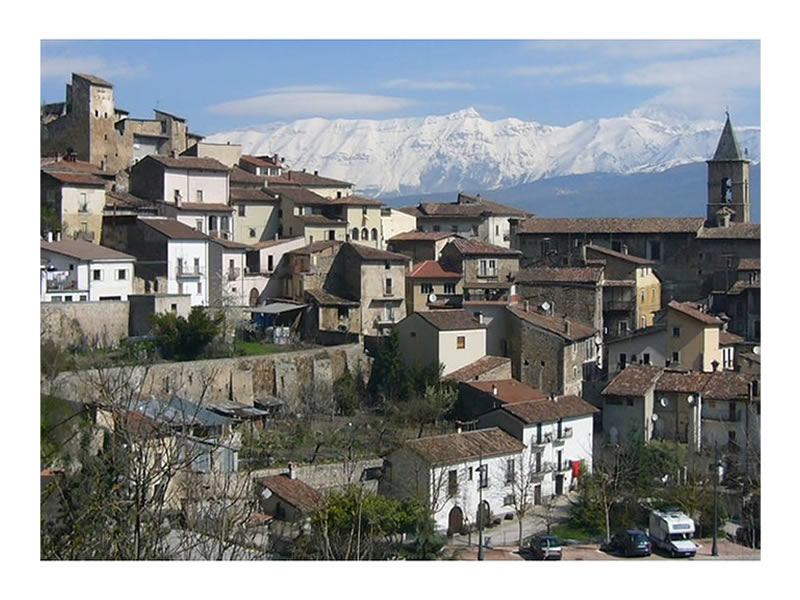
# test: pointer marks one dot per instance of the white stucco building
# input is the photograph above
(459, 476)
(75, 271)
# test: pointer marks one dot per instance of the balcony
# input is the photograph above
(620, 305)
(488, 275)
(59, 286)
(446, 301)
(564, 467)
(544, 440)
(233, 274)
(562, 435)
(545, 468)
(221, 234)
(188, 272)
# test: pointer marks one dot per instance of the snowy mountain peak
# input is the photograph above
(462, 150)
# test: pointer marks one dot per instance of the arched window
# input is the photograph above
(364, 234)
(374, 235)
(355, 233)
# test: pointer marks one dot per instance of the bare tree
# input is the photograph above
(519, 475)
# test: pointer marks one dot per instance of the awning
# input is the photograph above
(276, 308)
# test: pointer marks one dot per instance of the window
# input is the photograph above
(426, 288)
(84, 227)
(575, 349)
(198, 225)
(452, 483)
(413, 334)
(364, 234)
(508, 500)
(574, 372)
(343, 312)
(676, 332)
(196, 265)
(510, 467)
(449, 288)
(623, 360)
(242, 210)
(483, 472)
(461, 342)
(387, 264)
(199, 287)
(388, 286)
(270, 263)
(97, 275)
(676, 357)
(83, 297)
(174, 307)
(224, 223)
(355, 234)
(497, 229)
(67, 298)
(437, 228)
(454, 228)
(623, 327)
(180, 287)
(122, 274)
(374, 234)
(642, 297)
(654, 248)
(56, 299)
(199, 195)
(252, 232)
(646, 358)
(475, 230)
(363, 210)
(469, 474)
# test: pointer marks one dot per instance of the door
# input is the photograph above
(455, 521)
(559, 485)
(484, 513)
(537, 494)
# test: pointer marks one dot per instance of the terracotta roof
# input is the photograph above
(726, 338)
(739, 286)
(545, 409)
(93, 79)
(303, 178)
(369, 253)
(270, 243)
(734, 231)
(314, 247)
(652, 329)
(558, 274)
(431, 269)
(474, 207)
(300, 195)
(187, 162)
(280, 180)
(555, 324)
(126, 201)
(619, 283)
(421, 236)
(690, 309)
(51, 164)
(620, 255)
(451, 320)
(633, 380)
(324, 298)
(685, 382)
(295, 492)
(470, 247)
(76, 178)
(749, 264)
(204, 206)
(84, 250)
(474, 370)
(720, 385)
(459, 447)
(356, 201)
(253, 195)
(612, 225)
(174, 230)
(259, 161)
(508, 390)
(239, 175)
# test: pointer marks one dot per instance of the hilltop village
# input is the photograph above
(235, 354)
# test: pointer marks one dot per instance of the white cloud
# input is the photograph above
(288, 89)
(63, 66)
(441, 86)
(630, 49)
(741, 70)
(539, 70)
(319, 104)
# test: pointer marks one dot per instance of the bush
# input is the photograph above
(178, 338)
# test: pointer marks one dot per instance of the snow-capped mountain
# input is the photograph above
(464, 151)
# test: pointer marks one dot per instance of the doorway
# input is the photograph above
(455, 521)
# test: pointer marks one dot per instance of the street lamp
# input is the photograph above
(714, 549)
(481, 472)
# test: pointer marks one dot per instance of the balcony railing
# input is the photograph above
(566, 432)
(184, 271)
(222, 234)
(487, 274)
(454, 300)
(233, 274)
(544, 440)
(55, 286)
(543, 470)
(564, 466)
(624, 305)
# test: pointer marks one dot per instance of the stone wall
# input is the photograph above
(326, 476)
(95, 324)
(220, 380)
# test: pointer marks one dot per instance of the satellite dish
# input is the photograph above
(432, 298)
(654, 418)
(756, 349)
(691, 400)
(664, 402)
(545, 306)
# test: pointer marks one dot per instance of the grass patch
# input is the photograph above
(60, 421)
(565, 531)
(242, 348)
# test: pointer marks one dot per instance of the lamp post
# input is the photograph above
(481, 469)
(714, 549)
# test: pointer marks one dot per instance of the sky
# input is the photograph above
(220, 85)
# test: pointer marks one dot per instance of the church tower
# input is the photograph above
(728, 181)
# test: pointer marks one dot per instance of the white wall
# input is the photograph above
(213, 183)
(455, 358)
(654, 345)
(188, 250)
(396, 222)
(234, 289)
(82, 274)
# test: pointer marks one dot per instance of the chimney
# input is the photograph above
(458, 429)
(553, 397)
(289, 175)
(566, 325)
(624, 248)
(480, 318)
(304, 169)
(276, 236)
(275, 159)
(714, 365)
(494, 390)
(58, 236)
(292, 474)
(49, 236)
(527, 306)
(316, 172)
(173, 153)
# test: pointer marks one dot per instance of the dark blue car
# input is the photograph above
(631, 542)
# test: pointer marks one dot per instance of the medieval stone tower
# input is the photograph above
(728, 182)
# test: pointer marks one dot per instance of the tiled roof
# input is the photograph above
(50, 164)
(734, 231)
(300, 195)
(726, 338)
(545, 409)
(93, 79)
(324, 298)
(259, 161)
(751, 356)
(508, 390)
(685, 382)
(303, 178)
(253, 195)
(459, 447)
(690, 310)
(652, 329)
(356, 201)
(76, 178)
(230, 244)
(470, 247)
(280, 180)
(239, 175)
(314, 247)
(620, 255)
(369, 253)
(431, 269)
(749, 264)
(189, 162)
(451, 320)
(474, 207)
(555, 324)
(320, 220)
(634, 380)
(421, 236)
(619, 283)
(173, 229)
(557, 274)
(612, 225)
(739, 286)
(295, 492)
(728, 145)
(126, 201)
(474, 370)
(204, 206)
(270, 243)
(720, 385)
(84, 250)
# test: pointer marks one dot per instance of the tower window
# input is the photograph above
(726, 191)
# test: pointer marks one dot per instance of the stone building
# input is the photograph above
(574, 291)
(307, 268)
(420, 245)
(738, 295)
(429, 287)
(89, 124)
(488, 270)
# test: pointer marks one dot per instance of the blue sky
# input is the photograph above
(224, 84)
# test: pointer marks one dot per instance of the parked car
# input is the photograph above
(631, 542)
(545, 547)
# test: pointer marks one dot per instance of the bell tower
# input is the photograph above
(728, 179)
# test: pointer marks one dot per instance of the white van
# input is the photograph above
(672, 531)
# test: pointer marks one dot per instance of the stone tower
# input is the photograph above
(728, 180)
